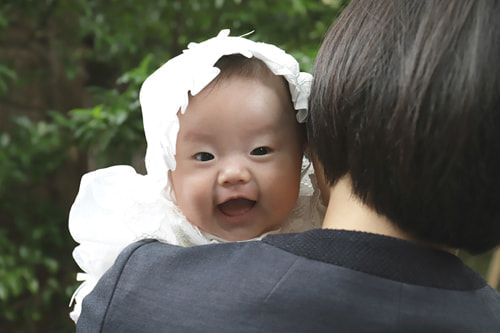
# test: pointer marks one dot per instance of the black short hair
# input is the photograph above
(406, 101)
(239, 65)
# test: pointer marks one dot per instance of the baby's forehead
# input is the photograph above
(253, 106)
(267, 96)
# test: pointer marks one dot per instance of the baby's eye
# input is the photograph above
(261, 151)
(203, 157)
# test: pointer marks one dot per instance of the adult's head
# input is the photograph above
(405, 102)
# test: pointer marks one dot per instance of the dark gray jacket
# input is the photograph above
(317, 281)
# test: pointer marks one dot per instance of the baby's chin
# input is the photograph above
(242, 234)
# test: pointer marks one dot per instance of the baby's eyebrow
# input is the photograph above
(196, 136)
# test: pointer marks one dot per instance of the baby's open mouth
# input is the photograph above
(236, 207)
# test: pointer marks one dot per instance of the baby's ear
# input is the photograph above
(304, 138)
(324, 187)
(306, 148)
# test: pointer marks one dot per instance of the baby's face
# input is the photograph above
(239, 156)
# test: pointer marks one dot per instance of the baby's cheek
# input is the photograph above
(286, 187)
(197, 193)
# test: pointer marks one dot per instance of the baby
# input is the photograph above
(223, 123)
(239, 152)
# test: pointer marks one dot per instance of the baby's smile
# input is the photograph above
(236, 207)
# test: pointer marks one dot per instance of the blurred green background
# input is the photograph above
(70, 73)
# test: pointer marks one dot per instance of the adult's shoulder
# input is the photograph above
(151, 252)
(157, 277)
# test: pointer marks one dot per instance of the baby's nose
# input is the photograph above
(234, 172)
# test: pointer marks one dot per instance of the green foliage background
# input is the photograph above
(70, 73)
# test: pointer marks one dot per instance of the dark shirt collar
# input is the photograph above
(383, 256)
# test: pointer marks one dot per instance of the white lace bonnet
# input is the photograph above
(166, 91)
